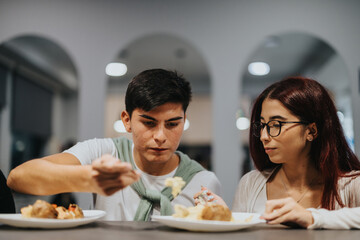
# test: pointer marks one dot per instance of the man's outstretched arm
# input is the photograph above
(63, 173)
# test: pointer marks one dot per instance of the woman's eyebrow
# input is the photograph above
(277, 117)
(274, 117)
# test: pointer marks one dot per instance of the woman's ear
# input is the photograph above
(125, 118)
(312, 132)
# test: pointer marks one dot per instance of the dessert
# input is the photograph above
(176, 183)
(209, 211)
(40, 209)
(74, 211)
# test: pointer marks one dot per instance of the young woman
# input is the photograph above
(301, 156)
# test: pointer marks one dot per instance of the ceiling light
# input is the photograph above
(242, 123)
(259, 68)
(116, 69)
(341, 116)
(186, 125)
(119, 126)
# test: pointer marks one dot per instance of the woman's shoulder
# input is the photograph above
(348, 186)
(352, 177)
(256, 174)
(249, 189)
(253, 174)
(353, 172)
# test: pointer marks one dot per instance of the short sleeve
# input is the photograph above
(348, 190)
(353, 192)
(89, 150)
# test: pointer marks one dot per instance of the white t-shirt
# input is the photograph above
(123, 204)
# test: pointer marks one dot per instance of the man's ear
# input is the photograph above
(312, 132)
(184, 119)
(125, 118)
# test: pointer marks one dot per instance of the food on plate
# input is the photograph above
(40, 209)
(204, 211)
(43, 209)
(248, 219)
(74, 211)
(208, 211)
(176, 184)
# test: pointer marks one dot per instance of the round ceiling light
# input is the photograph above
(186, 125)
(119, 126)
(242, 123)
(259, 68)
(116, 69)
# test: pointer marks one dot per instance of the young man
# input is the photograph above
(156, 102)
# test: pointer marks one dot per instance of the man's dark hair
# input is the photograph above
(155, 87)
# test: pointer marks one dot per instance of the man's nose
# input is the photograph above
(159, 135)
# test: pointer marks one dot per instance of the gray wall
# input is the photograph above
(224, 32)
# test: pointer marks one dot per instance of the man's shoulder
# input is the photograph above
(204, 178)
(120, 140)
(206, 173)
(96, 140)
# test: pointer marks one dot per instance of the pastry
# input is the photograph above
(176, 184)
(43, 209)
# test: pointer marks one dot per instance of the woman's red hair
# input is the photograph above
(330, 153)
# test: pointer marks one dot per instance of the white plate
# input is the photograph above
(17, 220)
(242, 220)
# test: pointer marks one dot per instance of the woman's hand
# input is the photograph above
(110, 175)
(288, 212)
(205, 195)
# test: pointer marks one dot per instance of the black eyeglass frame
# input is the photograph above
(281, 123)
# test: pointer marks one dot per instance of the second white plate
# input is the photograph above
(242, 220)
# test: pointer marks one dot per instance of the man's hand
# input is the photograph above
(110, 175)
(288, 212)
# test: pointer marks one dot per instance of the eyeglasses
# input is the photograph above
(273, 127)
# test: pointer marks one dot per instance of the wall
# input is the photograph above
(5, 134)
(225, 33)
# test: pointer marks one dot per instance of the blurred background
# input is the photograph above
(65, 66)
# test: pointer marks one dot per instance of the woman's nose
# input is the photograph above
(264, 135)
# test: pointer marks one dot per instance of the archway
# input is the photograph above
(290, 54)
(172, 53)
(38, 113)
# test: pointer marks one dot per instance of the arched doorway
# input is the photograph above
(38, 111)
(291, 54)
(172, 53)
